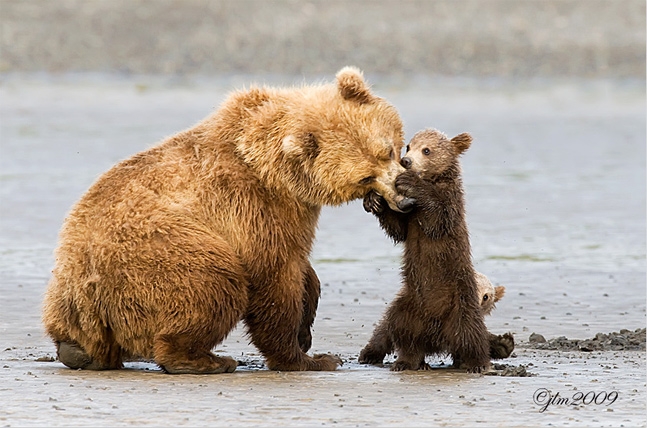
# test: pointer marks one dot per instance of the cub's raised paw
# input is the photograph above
(501, 346)
(407, 184)
(406, 204)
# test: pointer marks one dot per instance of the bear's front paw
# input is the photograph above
(424, 366)
(407, 184)
(400, 366)
(369, 355)
(478, 369)
(374, 203)
(501, 346)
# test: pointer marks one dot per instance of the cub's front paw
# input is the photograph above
(406, 204)
(501, 346)
(374, 203)
(408, 183)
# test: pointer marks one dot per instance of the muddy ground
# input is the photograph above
(555, 184)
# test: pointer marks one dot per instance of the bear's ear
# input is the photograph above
(352, 86)
(499, 291)
(462, 142)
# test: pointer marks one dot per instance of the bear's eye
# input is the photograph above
(485, 298)
(391, 154)
(426, 151)
(407, 150)
(367, 180)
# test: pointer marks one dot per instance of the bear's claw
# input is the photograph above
(373, 203)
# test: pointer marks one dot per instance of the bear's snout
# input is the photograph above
(406, 204)
(406, 162)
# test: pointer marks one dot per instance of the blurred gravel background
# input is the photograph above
(502, 38)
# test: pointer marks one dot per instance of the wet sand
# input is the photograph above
(555, 184)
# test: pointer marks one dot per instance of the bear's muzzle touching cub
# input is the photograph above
(171, 248)
(442, 303)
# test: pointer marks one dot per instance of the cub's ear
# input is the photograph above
(499, 291)
(352, 86)
(462, 142)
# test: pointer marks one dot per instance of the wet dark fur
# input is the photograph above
(438, 308)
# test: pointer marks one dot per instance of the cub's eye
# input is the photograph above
(426, 151)
(367, 180)
(485, 298)
(391, 154)
(407, 150)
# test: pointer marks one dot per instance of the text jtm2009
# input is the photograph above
(545, 398)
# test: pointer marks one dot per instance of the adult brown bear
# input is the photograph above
(170, 249)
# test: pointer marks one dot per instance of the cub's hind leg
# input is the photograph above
(378, 346)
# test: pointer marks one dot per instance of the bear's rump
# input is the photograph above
(176, 280)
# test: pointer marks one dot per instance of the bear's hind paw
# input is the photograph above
(326, 362)
(210, 364)
(74, 356)
(370, 356)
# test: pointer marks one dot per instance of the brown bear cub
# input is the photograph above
(438, 310)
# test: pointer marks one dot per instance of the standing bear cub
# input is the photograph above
(439, 308)
(170, 249)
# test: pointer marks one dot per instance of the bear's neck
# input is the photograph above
(254, 166)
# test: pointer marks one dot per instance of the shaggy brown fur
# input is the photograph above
(438, 309)
(501, 346)
(170, 249)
